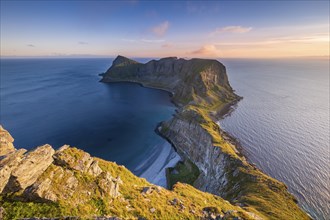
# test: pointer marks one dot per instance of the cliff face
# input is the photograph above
(190, 80)
(201, 89)
(44, 183)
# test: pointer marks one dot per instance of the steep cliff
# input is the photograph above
(191, 81)
(44, 183)
(201, 90)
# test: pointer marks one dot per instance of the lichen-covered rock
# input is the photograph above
(94, 169)
(5, 172)
(109, 186)
(40, 191)
(55, 183)
(33, 164)
(79, 161)
(6, 142)
(12, 159)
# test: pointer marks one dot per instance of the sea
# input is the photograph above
(282, 122)
(62, 101)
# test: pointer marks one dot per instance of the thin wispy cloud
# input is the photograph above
(167, 45)
(30, 45)
(206, 50)
(160, 29)
(152, 40)
(143, 40)
(231, 29)
(82, 43)
(129, 40)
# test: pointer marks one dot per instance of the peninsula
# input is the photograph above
(202, 92)
(215, 181)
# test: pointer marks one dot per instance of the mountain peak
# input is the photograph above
(123, 61)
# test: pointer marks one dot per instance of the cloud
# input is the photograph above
(128, 40)
(152, 41)
(207, 50)
(143, 40)
(82, 42)
(167, 45)
(30, 45)
(232, 29)
(160, 29)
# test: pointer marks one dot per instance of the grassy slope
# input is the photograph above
(130, 205)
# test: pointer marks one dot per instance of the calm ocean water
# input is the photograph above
(283, 124)
(61, 101)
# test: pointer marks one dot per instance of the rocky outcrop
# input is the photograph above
(45, 175)
(6, 142)
(192, 142)
(33, 164)
(109, 186)
(189, 80)
(76, 184)
(85, 163)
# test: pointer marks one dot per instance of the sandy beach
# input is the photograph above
(154, 166)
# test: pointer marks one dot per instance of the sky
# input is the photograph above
(210, 29)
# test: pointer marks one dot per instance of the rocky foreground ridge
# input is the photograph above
(201, 90)
(70, 184)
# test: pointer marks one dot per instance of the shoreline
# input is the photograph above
(194, 131)
(220, 113)
(154, 168)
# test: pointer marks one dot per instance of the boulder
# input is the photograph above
(73, 158)
(30, 168)
(6, 142)
(94, 169)
(12, 159)
(56, 183)
(108, 185)
(4, 177)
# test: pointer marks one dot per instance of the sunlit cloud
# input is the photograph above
(232, 29)
(167, 45)
(160, 29)
(30, 45)
(152, 41)
(129, 40)
(144, 40)
(320, 37)
(206, 50)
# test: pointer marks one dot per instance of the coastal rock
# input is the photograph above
(81, 161)
(109, 186)
(56, 183)
(5, 172)
(12, 159)
(6, 142)
(30, 168)
(76, 159)
(40, 191)
(189, 80)
(94, 168)
(9, 162)
(200, 150)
